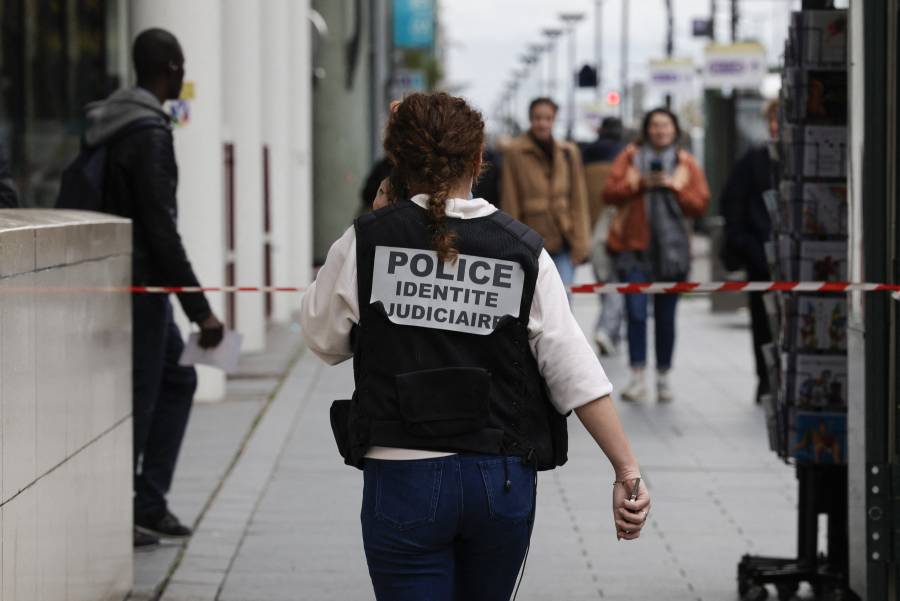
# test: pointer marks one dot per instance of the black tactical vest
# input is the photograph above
(441, 354)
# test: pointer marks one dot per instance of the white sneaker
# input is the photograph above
(605, 345)
(663, 390)
(636, 389)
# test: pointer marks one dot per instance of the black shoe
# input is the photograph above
(166, 526)
(144, 539)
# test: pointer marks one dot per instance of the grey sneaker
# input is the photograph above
(605, 345)
(663, 389)
(636, 389)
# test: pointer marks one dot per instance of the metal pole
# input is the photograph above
(598, 46)
(670, 29)
(570, 127)
(552, 35)
(670, 40)
(712, 20)
(735, 19)
(554, 68)
(538, 50)
(623, 67)
(550, 58)
(571, 21)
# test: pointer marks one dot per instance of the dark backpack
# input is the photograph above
(84, 180)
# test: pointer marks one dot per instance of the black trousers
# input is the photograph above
(762, 335)
(163, 393)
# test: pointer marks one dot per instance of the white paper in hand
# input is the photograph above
(225, 356)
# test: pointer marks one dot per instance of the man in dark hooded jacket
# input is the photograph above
(8, 197)
(141, 183)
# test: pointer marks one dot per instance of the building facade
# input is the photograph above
(242, 131)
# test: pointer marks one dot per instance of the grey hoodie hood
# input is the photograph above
(108, 117)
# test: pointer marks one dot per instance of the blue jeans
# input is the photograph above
(563, 262)
(447, 529)
(664, 328)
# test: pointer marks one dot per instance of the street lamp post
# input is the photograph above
(513, 91)
(519, 76)
(571, 20)
(537, 50)
(527, 61)
(598, 46)
(670, 41)
(623, 67)
(552, 35)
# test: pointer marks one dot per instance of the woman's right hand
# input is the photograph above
(630, 516)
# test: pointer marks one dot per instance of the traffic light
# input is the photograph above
(613, 98)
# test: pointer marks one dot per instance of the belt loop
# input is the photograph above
(507, 484)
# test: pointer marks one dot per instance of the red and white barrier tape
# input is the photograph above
(598, 288)
(718, 287)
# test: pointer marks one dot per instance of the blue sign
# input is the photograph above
(414, 23)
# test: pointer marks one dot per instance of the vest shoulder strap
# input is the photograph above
(367, 219)
(530, 238)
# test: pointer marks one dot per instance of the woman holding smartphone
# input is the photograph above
(656, 186)
(467, 361)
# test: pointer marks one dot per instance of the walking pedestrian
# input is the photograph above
(9, 199)
(543, 185)
(380, 170)
(748, 229)
(140, 183)
(656, 186)
(466, 361)
(598, 159)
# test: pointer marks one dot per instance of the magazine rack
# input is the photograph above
(806, 412)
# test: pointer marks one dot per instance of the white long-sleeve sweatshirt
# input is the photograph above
(565, 359)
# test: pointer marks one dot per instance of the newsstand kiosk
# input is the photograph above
(835, 205)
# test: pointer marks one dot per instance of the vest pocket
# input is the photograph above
(437, 403)
(407, 492)
(340, 426)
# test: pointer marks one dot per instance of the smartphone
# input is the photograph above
(635, 489)
(656, 166)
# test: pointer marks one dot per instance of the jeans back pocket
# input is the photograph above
(407, 492)
(512, 501)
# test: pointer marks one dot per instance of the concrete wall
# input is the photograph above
(65, 407)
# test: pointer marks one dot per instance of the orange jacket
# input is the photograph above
(629, 230)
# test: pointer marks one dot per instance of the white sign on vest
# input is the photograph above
(468, 295)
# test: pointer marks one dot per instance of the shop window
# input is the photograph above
(57, 56)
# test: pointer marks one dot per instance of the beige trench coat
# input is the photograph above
(551, 199)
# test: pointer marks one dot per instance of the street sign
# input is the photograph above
(414, 24)
(741, 66)
(672, 76)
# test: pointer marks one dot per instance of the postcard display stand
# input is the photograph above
(807, 411)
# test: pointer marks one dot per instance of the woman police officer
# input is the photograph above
(466, 360)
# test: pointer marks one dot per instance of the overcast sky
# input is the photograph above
(486, 37)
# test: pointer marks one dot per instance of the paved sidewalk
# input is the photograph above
(213, 442)
(285, 525)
